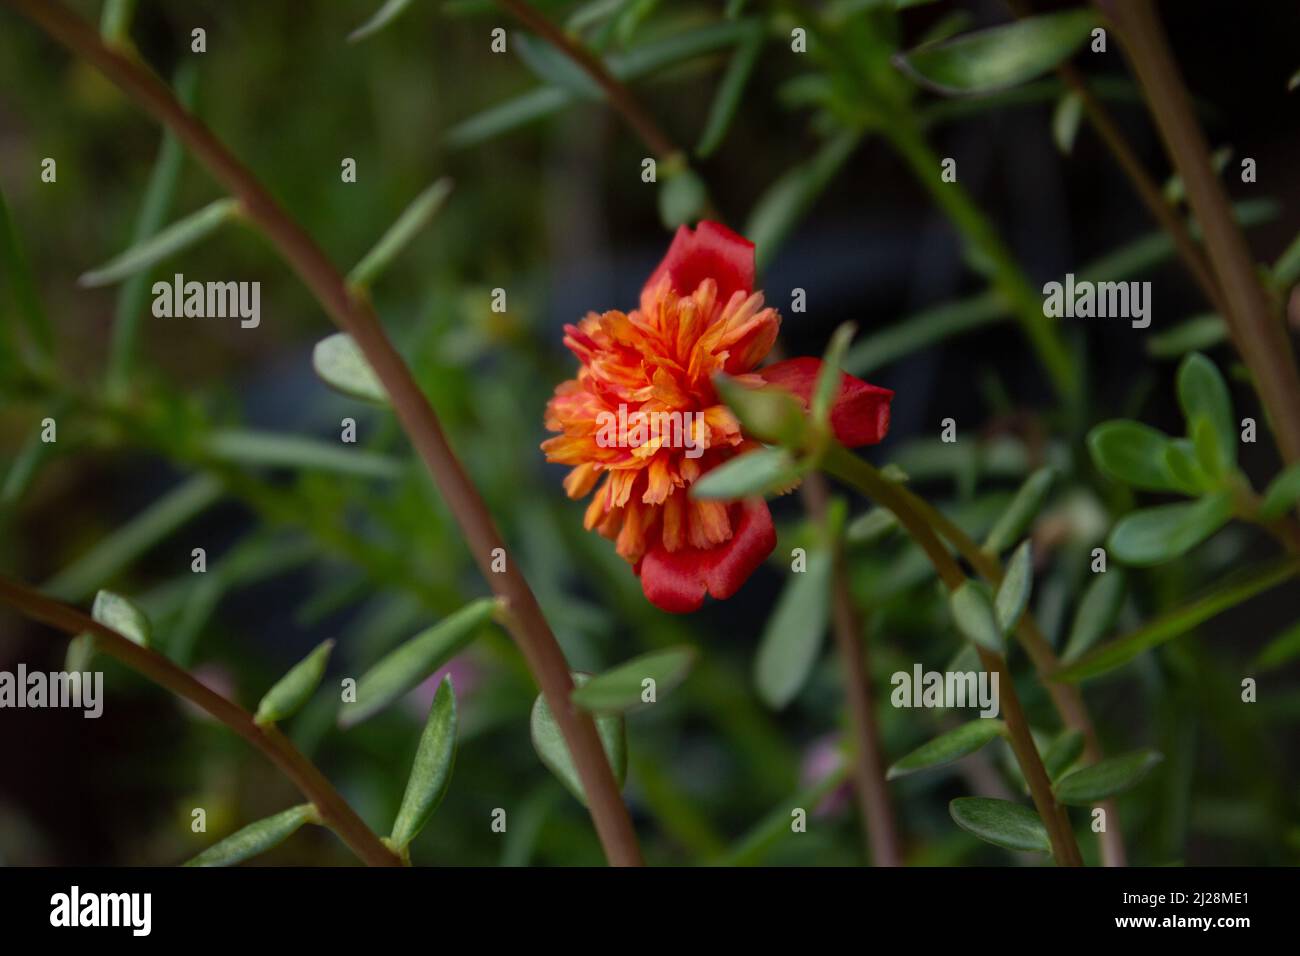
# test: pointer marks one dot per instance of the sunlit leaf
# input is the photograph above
(122, 615)
(340, 364)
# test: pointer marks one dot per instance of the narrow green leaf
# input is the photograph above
(118, 549)
(16, 274)
(340, 364)
(1198, 332)
(1155, 535)
(409, 224)
(122, 615)
(257, 838)
(946, 748)
(1097, 612)
(507, 116)
(81, 651)
(406, 666)
(115, 22)
(1000, 57)
(758, 472)
(731, 90)
(1062, 754)
(1282, 649)
(554, 752)
(1023, 509)
(1286, 270)
(1132, 453)
(1203, 394)
(24, 468)
(1281, 494)
(1184, 469)
(179, 235)
(1013, 593)
(278, 450)
(1106, 778)
(621, 688)
(133, 293)
(1065, 121)
(1002, 823)
(431, 771)
(830, 378)
(972, 612)
(682, 197)
(291, 691)
(554, 67)
(793, 636)
(383, 16)
(769, 414)
(1178, 621)
(788, 199)
(869, 528)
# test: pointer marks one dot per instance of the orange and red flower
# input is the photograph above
(699, 316)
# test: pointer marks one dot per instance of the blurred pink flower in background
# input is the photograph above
(823, 757)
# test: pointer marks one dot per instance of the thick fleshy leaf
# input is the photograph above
(868, 528)
(972, 611)
(1179, 621)
(795, 631)
(622, 688)
(1106, 778)
(1155, 535)
(1013, 592)
(122, 615)
(1021, 512)
(1000, 57)
(340, 364)
(682, 197)
(753, 473)
(1282, 494)
(1132, 453)
(1001, 823)
(431, 771)
(402, 669)
(709, 251)
(1065, 121)
(293, 690)
(946, 748)
(554, 752)
(1203, 395)
(179, 235)
(860, 413)
(677, 581)
(1098, 609)
(257, 837)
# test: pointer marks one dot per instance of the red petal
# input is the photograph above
(711, 251)
(860, 415)
(677, 581)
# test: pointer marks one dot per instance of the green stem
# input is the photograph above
(333, 809)
(982, 239)
(861, 475)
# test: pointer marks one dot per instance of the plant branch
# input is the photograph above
(1067, 699)
(1259, 335)
(865, 478)
(879, 822)
(644, 125)
(333, 809)
(354, 315)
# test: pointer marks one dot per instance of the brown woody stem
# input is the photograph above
(354, 315)
(334, 810)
